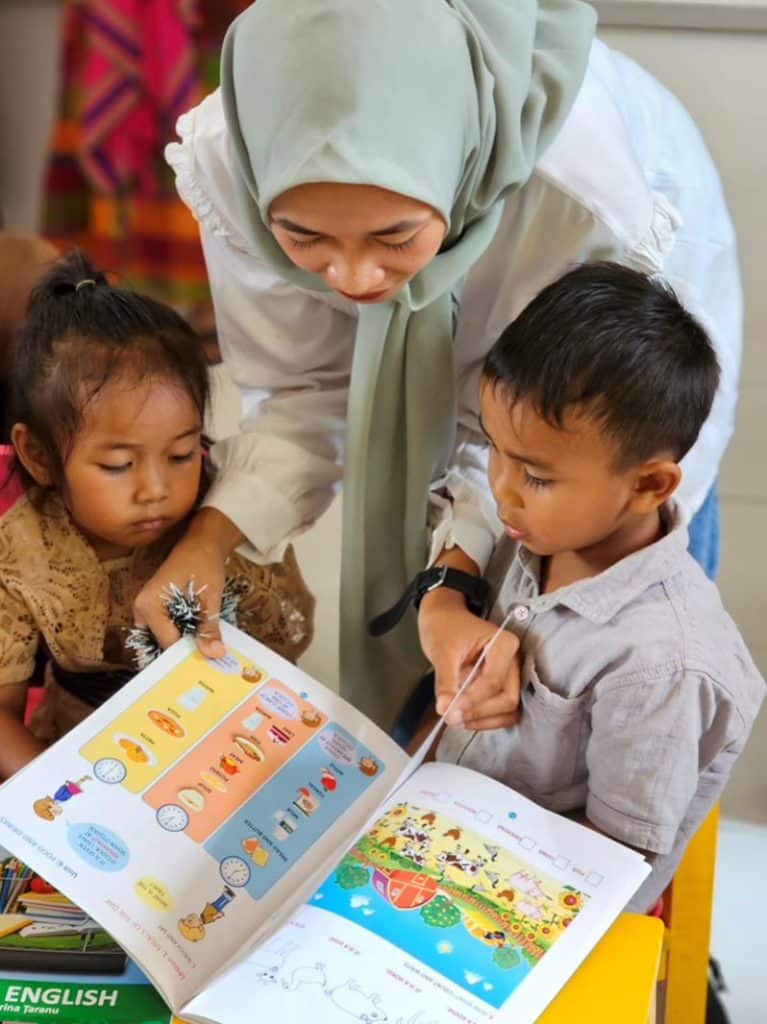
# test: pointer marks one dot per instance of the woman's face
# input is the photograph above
(364, 242)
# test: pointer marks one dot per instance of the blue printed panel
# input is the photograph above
(284, 818)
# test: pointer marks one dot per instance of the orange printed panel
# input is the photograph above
(234, 761)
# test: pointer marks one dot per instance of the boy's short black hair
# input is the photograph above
(618, 344)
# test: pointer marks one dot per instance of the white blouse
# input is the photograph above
(628, 178)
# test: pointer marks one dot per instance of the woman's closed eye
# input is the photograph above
(184, 456)
(304, 243)
(308, 243)
(121, 468)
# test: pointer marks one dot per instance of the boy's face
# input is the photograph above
(556, 490)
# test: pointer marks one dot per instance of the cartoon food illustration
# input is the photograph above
(311, 718)
(228, 764)
(251, 674)
(191, 798)
(368, 766)
(278, 735)
(305, 801)
(133, 750)
(328, 780)
(285, 826)
(165, 724)
(253, 848)
(213, 781)
(250, 748)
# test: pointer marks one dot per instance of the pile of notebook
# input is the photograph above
(42, 930)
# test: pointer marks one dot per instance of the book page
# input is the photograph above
(186, 812)
(463, 901)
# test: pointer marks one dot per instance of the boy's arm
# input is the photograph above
(659, 736)
(17, 744)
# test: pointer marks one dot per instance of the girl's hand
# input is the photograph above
(452, 639)
(17, 744)
(199, 555)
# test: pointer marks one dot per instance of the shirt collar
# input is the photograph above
(600, 598)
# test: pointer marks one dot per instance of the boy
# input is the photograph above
(637, 692)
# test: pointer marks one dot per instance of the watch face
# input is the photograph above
(172, 818)
(110, 770)
(235, 871)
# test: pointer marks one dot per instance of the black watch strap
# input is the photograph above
(474, 588)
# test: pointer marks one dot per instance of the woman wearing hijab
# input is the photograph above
(381, 187)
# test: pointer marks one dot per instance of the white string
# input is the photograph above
(424, 748)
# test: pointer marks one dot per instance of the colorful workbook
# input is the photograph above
(251, 840)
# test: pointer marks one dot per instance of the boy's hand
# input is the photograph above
(452, 639)
(199, 555)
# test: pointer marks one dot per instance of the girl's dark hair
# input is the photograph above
(620, 345)
(80, 333)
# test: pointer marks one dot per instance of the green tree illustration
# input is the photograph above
(506, 958)
(352, 876)
(441, 913)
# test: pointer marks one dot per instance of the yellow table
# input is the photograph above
(616, 982)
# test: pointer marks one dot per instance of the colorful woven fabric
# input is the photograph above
(139, 74)
(129, 68)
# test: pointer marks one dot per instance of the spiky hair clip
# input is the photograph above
(184, 610)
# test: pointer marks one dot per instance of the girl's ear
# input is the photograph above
(31, 454)
(655, 482)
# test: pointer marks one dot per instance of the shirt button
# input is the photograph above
(521, 613)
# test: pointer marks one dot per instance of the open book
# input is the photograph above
(256, 844)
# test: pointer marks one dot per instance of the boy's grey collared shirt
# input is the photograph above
(637, 696)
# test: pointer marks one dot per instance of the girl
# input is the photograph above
(110, 393)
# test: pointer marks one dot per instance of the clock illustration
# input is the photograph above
(110, 770)
(172, 818)
(234, 871)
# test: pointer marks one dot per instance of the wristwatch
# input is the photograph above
(475, 589)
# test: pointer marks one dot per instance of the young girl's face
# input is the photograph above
(134, 470)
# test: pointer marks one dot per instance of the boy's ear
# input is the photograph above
(655, 482)
(31, 454)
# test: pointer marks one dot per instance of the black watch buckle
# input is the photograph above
(475, 589)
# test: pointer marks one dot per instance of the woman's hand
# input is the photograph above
(453, 639)
(199, 555)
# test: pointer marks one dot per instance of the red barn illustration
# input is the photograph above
(405, 890)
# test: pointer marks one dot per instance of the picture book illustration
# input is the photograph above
(237, 828)
(471, 910)
(233, 758)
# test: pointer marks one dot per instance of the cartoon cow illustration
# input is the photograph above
(410, 829)
(413, 853)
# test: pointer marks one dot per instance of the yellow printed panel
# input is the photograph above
(171, 717)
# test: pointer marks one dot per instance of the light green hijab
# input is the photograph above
(449, 102)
